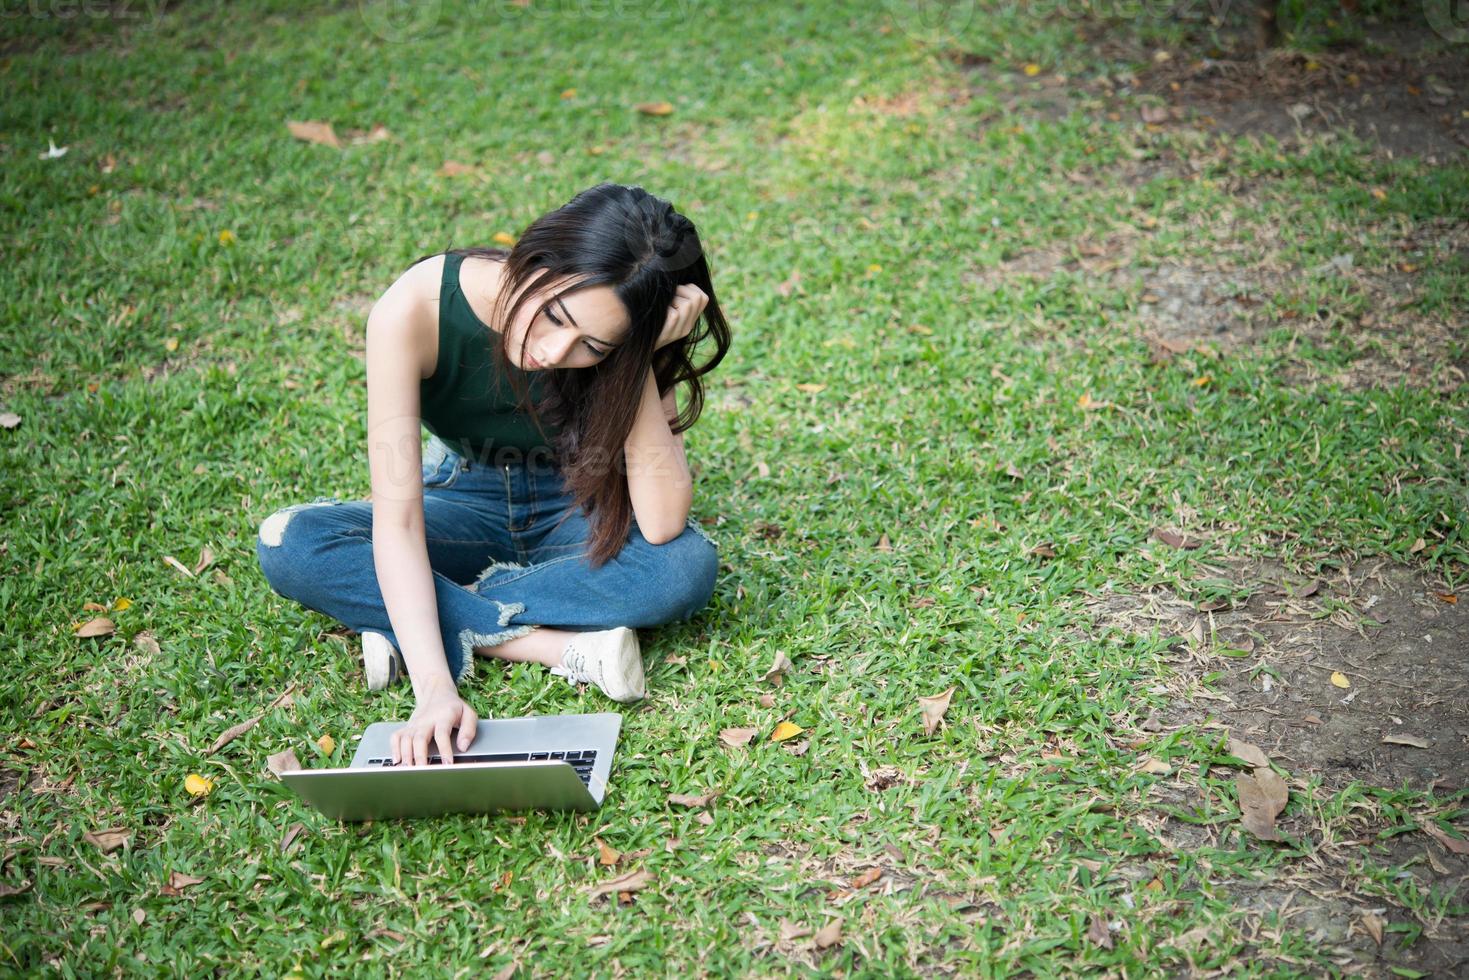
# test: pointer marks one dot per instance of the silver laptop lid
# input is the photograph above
(539, 777)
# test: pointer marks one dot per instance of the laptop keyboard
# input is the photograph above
(581, 762)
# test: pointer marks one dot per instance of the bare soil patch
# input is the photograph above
(1264, 667)
(1183, 305)
(1402, 95)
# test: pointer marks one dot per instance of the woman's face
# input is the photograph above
(568, 330)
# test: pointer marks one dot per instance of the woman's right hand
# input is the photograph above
(438, 712)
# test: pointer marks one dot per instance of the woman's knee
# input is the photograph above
(284, 544)
(690, 567)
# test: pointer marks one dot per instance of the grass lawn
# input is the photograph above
(1000, 313)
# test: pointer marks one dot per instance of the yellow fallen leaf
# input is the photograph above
(1340, 679)
(198, 785)
(226, 237)
(171, 344)
(120, 604)
(1202, 380)
(327, 743)
(811, 387)
(785, 730)
(654, 108)
(569, 93)
(1379, 193)
(1032, 69)
(501, 238)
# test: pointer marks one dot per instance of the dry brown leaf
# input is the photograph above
(1250, 753)
(736, 737)
(177, 882)
(108, 840)
(866, 878)
(453, 168)
(790, 931)
(1175, 540)
(630, 882)
(93, 607)
(1405, 739)
(790, 284)
(798, 748)
(767, 700)
(606, 856)
(1044, 550)
(283, 762)
(292, 833)
(1262, 795)
(101, 626)
(689, 799)
(234, 732)
(1154, 114)
(829, 934)
(170, 559)
(778, 668)
(704, 818)
(9, 420)
(206, 558)
(314, 131)
(1155, 766)
(1098, 934)
(1451, 598)
(1453, 844)
(933, 708)
(810, 387)
(1373, 924)
(1418, 546)
(7, 890)
(654, 108)
(376, 134)
(146, 643)
(883, 544)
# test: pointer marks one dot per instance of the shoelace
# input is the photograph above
(573, 666)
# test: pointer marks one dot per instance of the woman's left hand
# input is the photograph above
(688, 303)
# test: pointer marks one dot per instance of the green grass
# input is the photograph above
(993, 824)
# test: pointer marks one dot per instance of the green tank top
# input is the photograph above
(468, 402)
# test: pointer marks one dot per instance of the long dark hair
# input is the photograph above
(636, 244)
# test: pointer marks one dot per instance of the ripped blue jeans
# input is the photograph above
(501, 563)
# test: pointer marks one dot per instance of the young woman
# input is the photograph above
(548, 517)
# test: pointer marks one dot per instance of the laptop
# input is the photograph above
(545, 762)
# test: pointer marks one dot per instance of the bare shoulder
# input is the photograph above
(408, 313)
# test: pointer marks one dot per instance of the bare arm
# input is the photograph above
(658, 478)
(399, 354)
(400, 554)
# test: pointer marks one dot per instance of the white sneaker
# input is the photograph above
(381, 661)
(610, 659)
